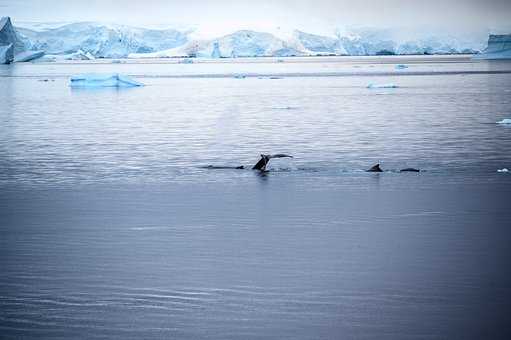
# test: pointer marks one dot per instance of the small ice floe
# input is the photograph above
(93, 80)
(382, 86)
(240, 76)
(186, 61)
(283, 108)
(116, 61)
(505, 121)
(503, 170)
(401, 66)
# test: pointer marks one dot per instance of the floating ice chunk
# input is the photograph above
(382, 86)
(503, 170)
(102, 80)
(401, 67)
(240, 76)
(79, 55)
(186, 61)
(28, 56)
(505, 121)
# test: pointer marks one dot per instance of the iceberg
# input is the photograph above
(382, 86)
(28, 56)
(8, 35)
(216, 51)
(505, 121)
(93, 80)
(6, 54)
(499, 47)
(503, 170)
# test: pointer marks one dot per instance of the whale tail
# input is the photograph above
(265, 159)
(375, 168)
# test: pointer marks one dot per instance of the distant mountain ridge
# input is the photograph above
(119, 41)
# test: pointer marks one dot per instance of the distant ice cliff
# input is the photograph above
(499, 47)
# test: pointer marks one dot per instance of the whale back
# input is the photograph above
(375, 168)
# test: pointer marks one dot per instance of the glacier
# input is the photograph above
(103, 40)
(95, 80)
(88, 40)
(499, 47)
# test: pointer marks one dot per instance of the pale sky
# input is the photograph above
(224, 16)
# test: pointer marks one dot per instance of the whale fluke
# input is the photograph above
(265, 159)
(409, 170)
(375, 168)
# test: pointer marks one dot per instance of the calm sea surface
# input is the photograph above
(112, 227)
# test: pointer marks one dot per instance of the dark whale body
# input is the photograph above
(377, 168)
(409, 170)
(260, 165)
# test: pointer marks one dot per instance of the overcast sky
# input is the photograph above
(222, 16)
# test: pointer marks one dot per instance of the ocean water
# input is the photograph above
(112, 227)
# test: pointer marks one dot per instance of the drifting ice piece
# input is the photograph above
(6, 54)
(503, 170)
(505, 121)
(102, 80)
(401, 67)
(382, 86)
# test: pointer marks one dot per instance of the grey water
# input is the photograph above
(112, 227)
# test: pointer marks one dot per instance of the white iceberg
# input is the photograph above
(503, 170)
(505, 121)
(382, 86)
(93, 80)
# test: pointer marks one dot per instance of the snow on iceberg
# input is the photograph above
(382, 86)
(93, 80)
(503, 170)
(505, 121)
